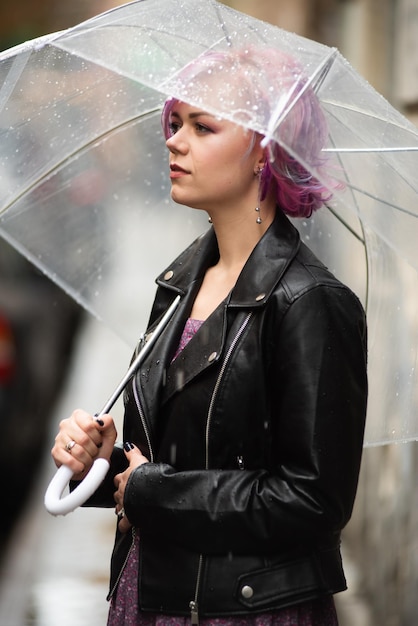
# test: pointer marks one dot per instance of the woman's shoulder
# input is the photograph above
(308, 273)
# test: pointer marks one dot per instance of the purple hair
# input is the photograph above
(303, 129)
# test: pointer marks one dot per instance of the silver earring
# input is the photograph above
(258, 220)
(257, 208)
(210, 220)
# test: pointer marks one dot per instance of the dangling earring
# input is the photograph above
(258, 173)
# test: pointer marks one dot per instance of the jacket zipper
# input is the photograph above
(194, 604)
(112, 591)
(151, 455)
(143, 422)
(219, 380)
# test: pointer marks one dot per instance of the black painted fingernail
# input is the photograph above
(99, 445)
(128, 446)
(99, 421)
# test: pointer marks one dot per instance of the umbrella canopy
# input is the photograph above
(84, 187)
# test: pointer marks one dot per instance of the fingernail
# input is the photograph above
(99, 445)
(99, 421)
(128, 446)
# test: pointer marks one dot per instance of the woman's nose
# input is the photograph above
(177, 142)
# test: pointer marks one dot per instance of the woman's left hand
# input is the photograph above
(135, 458)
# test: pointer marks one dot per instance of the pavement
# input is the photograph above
(56, 570)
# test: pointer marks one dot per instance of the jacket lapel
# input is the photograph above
(201, 352)
(159, 379)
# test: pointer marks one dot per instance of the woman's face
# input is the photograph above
(212, 161)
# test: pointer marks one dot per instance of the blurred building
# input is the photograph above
(38, 323)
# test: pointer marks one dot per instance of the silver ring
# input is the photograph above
(121, 514)
(70, 445)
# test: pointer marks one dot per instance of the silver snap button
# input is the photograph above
(212, 357)
(260, 297)
(247, 592)
(168, 275)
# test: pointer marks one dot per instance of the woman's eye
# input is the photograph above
(201, 128)
(173, 127)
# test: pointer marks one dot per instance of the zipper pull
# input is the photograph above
(194, 615)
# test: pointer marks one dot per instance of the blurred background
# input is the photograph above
(40, 327)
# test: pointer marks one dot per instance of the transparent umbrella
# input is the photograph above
(83, 170)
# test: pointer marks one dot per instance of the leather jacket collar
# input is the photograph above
(262, 272)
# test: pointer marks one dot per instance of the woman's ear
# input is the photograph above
(260, 164)
(260, 157)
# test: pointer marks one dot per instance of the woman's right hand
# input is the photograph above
(81, 439)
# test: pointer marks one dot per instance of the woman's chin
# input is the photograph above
(183, 201)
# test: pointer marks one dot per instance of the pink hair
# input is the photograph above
(303, 129)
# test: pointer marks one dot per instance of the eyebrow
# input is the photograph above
(191, 115)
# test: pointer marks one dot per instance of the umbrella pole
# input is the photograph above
(141, 356)
(54, 503)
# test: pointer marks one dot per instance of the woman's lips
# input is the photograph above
(176, 171)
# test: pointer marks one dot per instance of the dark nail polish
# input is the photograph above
(99, 421)
(99, 445)
(128, 446)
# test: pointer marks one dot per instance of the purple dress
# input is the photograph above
(124, 604)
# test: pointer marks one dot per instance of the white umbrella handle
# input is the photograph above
(56, 505)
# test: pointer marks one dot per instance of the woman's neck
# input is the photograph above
(237, 238)
(237, 235)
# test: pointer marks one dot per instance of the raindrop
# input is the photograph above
(180, 378)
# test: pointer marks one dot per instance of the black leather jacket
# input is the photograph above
(254, 433)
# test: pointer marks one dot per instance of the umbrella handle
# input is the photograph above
(56, 505)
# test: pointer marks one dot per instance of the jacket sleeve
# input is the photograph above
(318, 382)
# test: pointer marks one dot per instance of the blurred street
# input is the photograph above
(56, 570)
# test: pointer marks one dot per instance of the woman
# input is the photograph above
(244, 426)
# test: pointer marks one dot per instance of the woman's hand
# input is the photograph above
(81, 439)
(135, 458)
